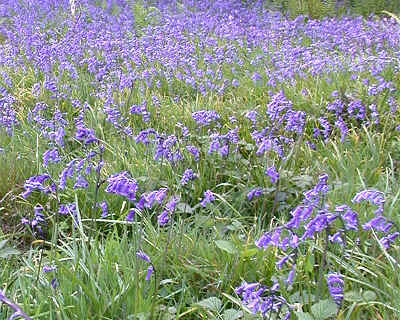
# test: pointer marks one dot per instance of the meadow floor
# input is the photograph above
(197, 160)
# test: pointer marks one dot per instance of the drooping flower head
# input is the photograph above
(335, 286)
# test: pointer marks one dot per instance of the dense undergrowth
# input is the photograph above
(197, 160)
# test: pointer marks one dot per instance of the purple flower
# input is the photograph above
(122, 184)
(205, 117)
(342, 127)
(373, 196)
(130, 215)
(253, 297)
(104, 209)
(140, 254)
(150, 270)
(47, 269)
(50, 155)
(377, 223)
(336, 237)
(54, 283)
(163, 218)
(255, 192)
(208, 198)
(171, 204)
(291, 275)
(335, 286)
(387, 240)
(188, 175)
(35, 183)
(272, 173)
(264, 146)
(81, 182)
(252, 116)
(295, 121)
(194, 151)
(67, 172)
(282, 261)
(350, 217)
(85, 134)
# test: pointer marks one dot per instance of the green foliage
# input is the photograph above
(144, 15)
(367, 7)
(318, 9)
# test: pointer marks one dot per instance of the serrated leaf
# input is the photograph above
(232, 314)
(352, 296)
(212, 303)
(303, 315)
(5, 252)
(324, 309)
(227, 246)
(369, 296)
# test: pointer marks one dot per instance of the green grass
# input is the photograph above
(203, 253)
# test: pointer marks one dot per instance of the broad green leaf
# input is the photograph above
(232, 314)
(304, 315)
(353, 296)
(303, 181)
(234, 226)
(304, 297)
(5, 252)
(369, 296)
(204, 221)
(309, 263)
(184, 207)
(3, 243)
(212, 303)
(227, 246)
(280, 196)
(249, 252)
(324, 309)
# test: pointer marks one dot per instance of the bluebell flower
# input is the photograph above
(272, 173)
(187, 176)
(205, 117)
(163, 218)
(81, 182)
(47, 268)
(67, 172)
(194, 151)
(130, 215)
(140, 254)
(35, 183)
(387, 240)
(104, 209)
(50, 155)
(255, 192)
(68, 208)
(122, 184)
(291, 275)
(335, 286)
(149, 272)
(373, 196)
(208, 197)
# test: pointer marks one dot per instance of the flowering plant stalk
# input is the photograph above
(18, 311)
